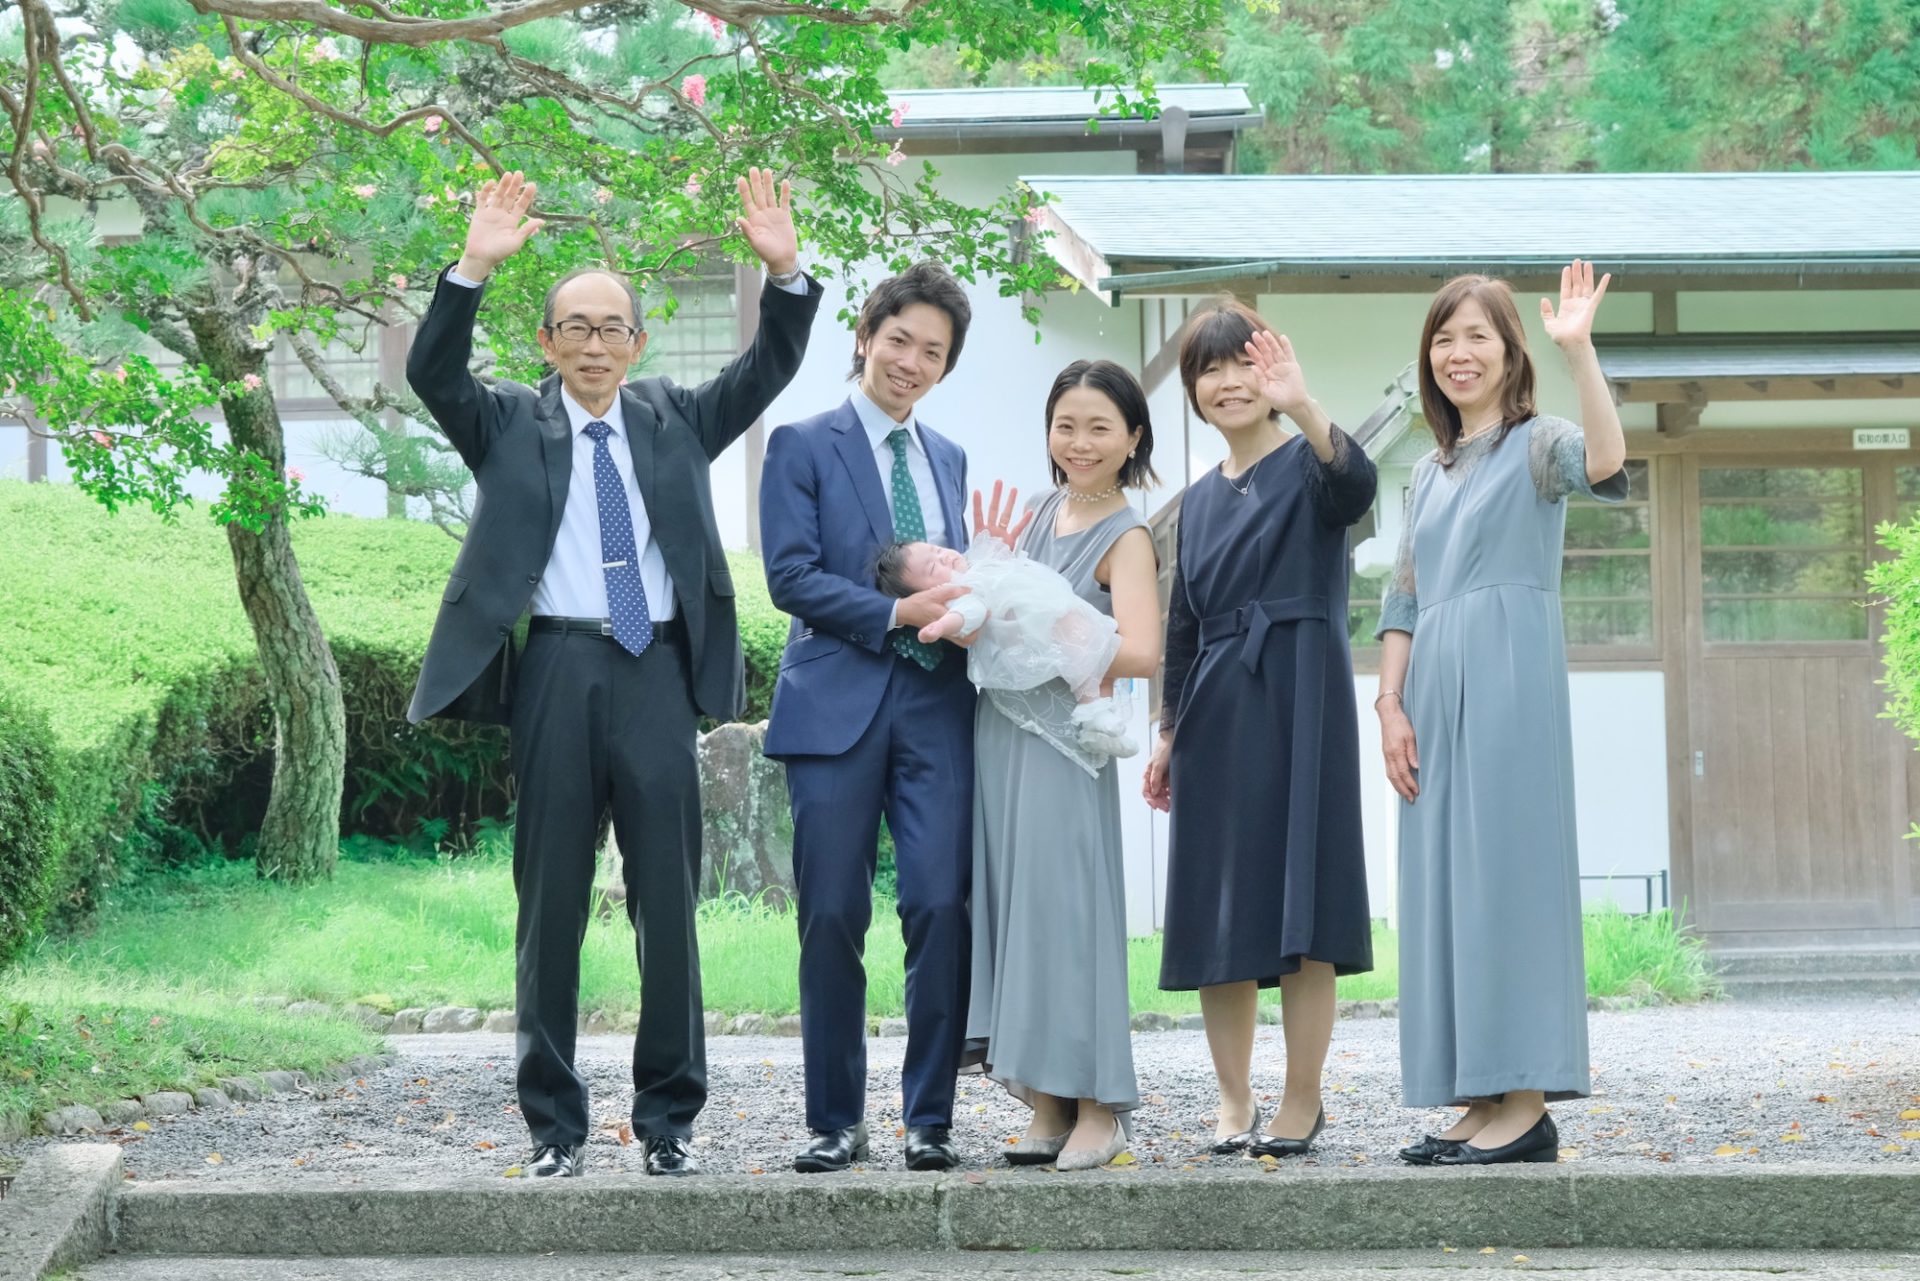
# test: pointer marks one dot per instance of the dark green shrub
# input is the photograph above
(29, 826)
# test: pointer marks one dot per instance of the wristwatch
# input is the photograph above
(785, 278)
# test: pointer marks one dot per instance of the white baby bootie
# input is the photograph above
(1101, 726)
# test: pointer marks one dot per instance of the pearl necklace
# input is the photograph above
(1075, 496)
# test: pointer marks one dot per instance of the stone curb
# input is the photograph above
(1808, 1207)
(59, 1211)
(417, 1020)
(78, 1118)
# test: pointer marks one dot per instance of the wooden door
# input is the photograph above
(1798, 787)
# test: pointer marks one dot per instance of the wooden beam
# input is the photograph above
(1655, 391)
(1666, 312)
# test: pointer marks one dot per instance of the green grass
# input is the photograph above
(69, 1035)
(414, 932)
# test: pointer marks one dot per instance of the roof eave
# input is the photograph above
(1128, 126)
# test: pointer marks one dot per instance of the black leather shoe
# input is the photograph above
(833, 1150)
(671, 1155)
(558, 1161)
(1270, 1145)
(1238, 1142)
(1429, 1147)
(1541, 1143)
(930, 1147)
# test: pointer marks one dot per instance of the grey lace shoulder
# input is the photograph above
(1400, 604)
(1557, 461)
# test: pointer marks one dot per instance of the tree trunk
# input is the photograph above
(300, 836)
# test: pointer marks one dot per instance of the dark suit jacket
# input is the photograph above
(519, 445)
(823, 519)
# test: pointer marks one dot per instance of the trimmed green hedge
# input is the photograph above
(133, 725)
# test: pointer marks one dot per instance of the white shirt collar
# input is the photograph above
(878, 426)
(579, 417)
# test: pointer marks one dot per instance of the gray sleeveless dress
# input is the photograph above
(1492, 979)
(1049, 1006)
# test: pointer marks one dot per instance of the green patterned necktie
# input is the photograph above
(909, 526)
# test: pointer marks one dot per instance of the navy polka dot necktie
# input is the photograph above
(619, 559)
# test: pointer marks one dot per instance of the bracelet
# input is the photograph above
(785, 278)
(1387, 693)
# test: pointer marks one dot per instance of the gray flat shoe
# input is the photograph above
(1094, 1158)
(1036, 1151)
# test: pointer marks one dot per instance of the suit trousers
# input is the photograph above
(594, 728)
(914, 763)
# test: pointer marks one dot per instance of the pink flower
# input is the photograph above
(295, 475)
(120, 373)
(365, 190)
(251, 382)
(900, 110)
(693, 186)
(397, 280)
(40, 149)
(719, 26)
(101, 439)
(326, 52)
(601, 195)
(433, 124)
(1034, 215)
(895, 156)
(694, 87)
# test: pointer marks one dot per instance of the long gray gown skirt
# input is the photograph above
(1492, 977)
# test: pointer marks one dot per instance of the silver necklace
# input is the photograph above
(1242, 490)
(1075, 496)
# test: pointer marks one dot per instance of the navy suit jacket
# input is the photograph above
(823, 520)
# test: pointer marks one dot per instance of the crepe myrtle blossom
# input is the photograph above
(251, 382)
(895, 156)
(365, 191)
(900, 110)
(101, 439)
(719, 26)
(694, 88)
(432, 124)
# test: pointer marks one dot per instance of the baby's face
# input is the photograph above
(929, 565)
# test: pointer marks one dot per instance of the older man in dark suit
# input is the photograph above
(596, 515)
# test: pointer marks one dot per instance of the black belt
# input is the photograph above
(1255, 619)
(672, 629)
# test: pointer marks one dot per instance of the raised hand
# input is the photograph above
(994, 519)
(768, 221)
(1580, 298)
(500, 224)
(1282, 381)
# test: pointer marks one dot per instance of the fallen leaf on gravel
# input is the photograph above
(1569, 1154)
(511, 1172)
(1892, 1147)
(1156, 1100)
(1873, 1131)
(485, 1145)
(899, 1131)
(756, 1170)
(142, 1126)
(214, 1158)
(1599, 1111)
(1910, 1134)
(1125, 1158)
(1448, 1249)
(1793, 1138)
(976, 1177)
(1487, 1249)
(1521, 1258)
(1911, 1114)
(445, 1121)
(1726, 1149)
(1821, 1098)
(741, 1115)
(299, 1160)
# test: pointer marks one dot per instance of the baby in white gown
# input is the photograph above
(1032, 628)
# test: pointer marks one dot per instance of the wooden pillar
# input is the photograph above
(36, 454)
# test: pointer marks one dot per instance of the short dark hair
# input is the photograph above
(633, 295)
(890, 570)
(1220, 330)
(1118, 385)
(927, 281)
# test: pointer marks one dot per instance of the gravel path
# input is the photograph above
(1717, 1084)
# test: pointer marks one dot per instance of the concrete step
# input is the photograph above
(1809, 1206)
(1429, 1264)
(1758, 963)
(1827, 986)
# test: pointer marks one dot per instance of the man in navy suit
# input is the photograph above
(869, 721)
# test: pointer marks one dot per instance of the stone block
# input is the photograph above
(597, 1023)
(167, 1103)
(893, 1027)
(74, 1119)
(311, 1009)
(787, 1025)
(715, 1023)
(211, 1098)
(59, 1212)
(122, 1111)
(1193, 1023)
(407, 1021)
(500, 1021)
(1152, 1021)
(750, 1025)
(367, 1016)
(282, 1082)
(243, 1089)
(451, 1018)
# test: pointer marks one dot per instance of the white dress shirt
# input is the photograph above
(878, 426)
(574, 584)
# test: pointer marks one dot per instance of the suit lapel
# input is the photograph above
(642, 431)
(556, 446)
(946, 479)
(856, 451)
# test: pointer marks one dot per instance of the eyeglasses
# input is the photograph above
(577, 332)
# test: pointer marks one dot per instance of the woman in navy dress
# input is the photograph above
(1259, 758)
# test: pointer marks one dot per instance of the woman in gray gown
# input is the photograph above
(1049, 1017)
(1474, 725)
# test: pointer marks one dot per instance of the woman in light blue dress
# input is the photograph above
(1474, 725)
